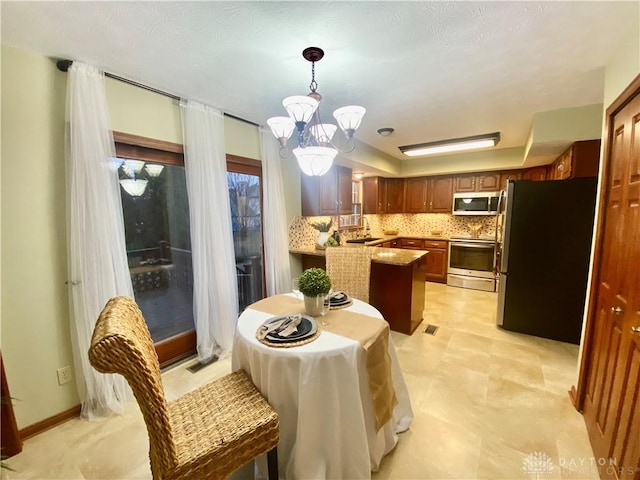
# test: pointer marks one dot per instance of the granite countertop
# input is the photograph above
(391, 256)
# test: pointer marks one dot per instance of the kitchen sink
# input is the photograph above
(362, 240)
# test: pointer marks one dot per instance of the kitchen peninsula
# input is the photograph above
(396, 283)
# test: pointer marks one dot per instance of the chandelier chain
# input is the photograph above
(313, 85)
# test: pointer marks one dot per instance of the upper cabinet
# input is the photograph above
(428, 194)
(535, 173)
(395, 195)
(329, 194)
(440, 195)
(477, 182)
(416, 194)
(509, 175)
(383, 195)
(374, 199)
(580, 160)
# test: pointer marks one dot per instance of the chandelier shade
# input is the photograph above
(315, 161)
(133, 187)
(316, 149)
(349, 118)
(323, 132)
(281, 127)
(300, 108)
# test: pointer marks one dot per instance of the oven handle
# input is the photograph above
(490, 246)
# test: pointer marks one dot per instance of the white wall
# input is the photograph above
(35, 316)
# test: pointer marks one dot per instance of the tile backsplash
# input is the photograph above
(303, 235)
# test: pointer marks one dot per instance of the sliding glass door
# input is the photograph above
(157, 232)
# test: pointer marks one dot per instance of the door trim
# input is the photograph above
(586, 362)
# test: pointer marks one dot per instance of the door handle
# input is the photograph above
(616, 310)
(635, 330)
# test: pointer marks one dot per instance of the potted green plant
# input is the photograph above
(323, 232)
(314, 284)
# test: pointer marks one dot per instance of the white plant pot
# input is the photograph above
(322, 238)
(314, 306)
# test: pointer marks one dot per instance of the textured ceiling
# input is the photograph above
(431, 70)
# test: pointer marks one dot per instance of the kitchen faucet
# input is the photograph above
(367, 230)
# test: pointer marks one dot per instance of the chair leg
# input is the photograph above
(272, 463)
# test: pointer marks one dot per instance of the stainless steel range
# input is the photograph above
(471, 263)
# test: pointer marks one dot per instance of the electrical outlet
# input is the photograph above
(64, 375)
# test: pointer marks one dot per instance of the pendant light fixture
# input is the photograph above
(315, 150)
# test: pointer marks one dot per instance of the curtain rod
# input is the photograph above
(63, 66)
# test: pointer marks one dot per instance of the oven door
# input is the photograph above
(473, 259)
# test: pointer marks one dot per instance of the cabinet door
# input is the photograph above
(465, 183)
(374, 198)
(488, 182)
(535, 173)
(345, 200)
(416, 195)
(310, 195)
(510, 175)
(395, 195)
(329, 192)
(440, 192)
(436, 265)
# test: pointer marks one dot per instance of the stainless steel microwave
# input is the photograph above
(476, 203)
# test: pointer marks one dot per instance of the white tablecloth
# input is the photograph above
(321, 393)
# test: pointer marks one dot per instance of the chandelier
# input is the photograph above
(315, 149)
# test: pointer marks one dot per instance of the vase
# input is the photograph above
(315, 305)
(322, 238)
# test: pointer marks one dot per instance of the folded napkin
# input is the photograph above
(338, 296)
(283, 326)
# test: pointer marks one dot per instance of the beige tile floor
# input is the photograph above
(485, 401)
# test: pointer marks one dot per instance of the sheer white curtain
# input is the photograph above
(215, 289)
(97, 257)
(275, 227)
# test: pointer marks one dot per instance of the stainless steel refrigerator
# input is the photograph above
(546, 231)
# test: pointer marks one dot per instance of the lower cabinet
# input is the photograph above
(437, 260)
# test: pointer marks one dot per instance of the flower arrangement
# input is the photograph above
(323, 226)
(313, 282)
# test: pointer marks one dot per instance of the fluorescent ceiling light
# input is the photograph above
(452, 145)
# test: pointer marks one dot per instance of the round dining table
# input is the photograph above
(321, 392)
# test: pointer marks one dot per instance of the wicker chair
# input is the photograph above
(350, 270)
(207, 433)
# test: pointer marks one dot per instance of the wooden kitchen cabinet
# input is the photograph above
(535, 173)
(374, 195)
(437, 260)
(440, 195)
(416, 195)
(411, 243)
(395, 195)
(329, 194)
(477, 182)
(428, 194)
(509, 175)
(382, 195)
(580, 160)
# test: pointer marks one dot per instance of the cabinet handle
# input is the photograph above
(616, 310)
(430, 205)
(635, 329)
